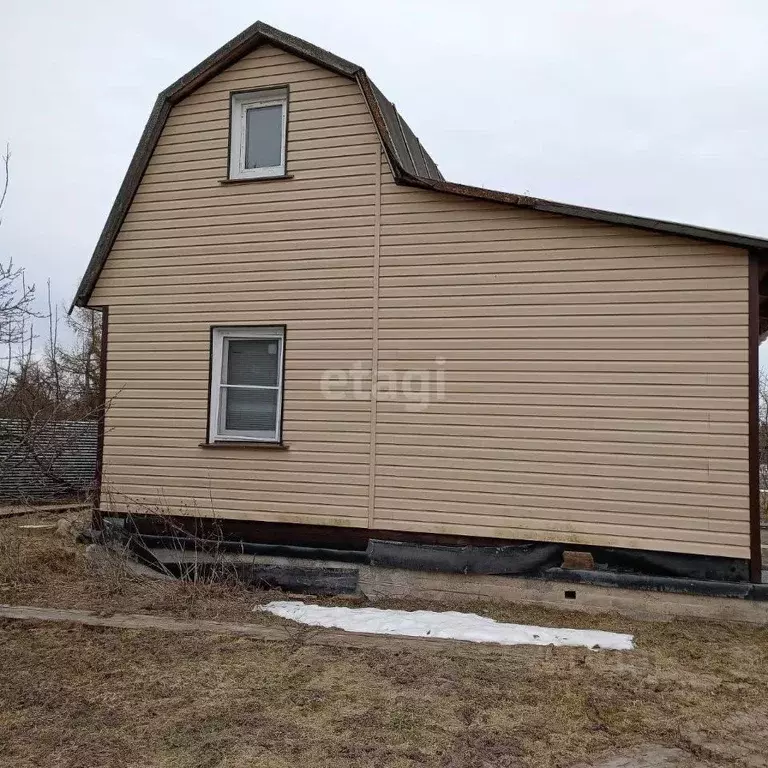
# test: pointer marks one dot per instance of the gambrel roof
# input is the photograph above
(410, 162)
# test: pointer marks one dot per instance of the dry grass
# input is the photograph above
(40, 567)
(76, 696)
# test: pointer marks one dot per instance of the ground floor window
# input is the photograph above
(246, 397)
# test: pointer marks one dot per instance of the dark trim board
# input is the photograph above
(753, 366)
(357, 539)
(96, 515)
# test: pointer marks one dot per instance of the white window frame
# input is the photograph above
(241, 103)
(220, 338)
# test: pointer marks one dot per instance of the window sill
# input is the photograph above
(256, 178)
(245, 444)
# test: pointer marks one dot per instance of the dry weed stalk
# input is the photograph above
(187, 546)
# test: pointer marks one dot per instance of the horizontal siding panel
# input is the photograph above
(265, 488)
(230, 467)
(611, 458)
(564, 485)
(300, 151)
(337, 458)
(575, 507)
(156, 268)
(217, 137)
(274, 307)
(190, 279)
(319, 89)
(160, 196)
(579, 236)
(495, 358)
(563, 367)
(332, 120)
(155, 337)
(723, 520)
(337, 428)
(442, 415)
(436, 333)
(526, 256)
(596, 323)
(144, 414)
(223, 314)
(321, 226)
(232, 211)
(521, 529)
(463, 349)
(188, 345)
(567, 425)
(528, 240)
(603, 271)
(233, 215)
(237, 256)
(300, 505)
(318, 239)
(308, 169)
(676, 289)
(149, 336)
(514, 297)
(536, 526)
(485, 306)
(277, 290)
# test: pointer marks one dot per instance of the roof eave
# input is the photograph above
(594, 214)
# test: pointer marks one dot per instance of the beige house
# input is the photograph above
(543, 372)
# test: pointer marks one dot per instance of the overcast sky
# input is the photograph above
(653, 107)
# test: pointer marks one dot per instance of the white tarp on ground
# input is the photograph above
(448, 625)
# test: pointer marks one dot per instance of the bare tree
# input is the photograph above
(49, 390)
(80, 364)
(6, 161)
(16, 310)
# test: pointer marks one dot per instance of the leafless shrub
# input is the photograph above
(190, 547)
(47, 387)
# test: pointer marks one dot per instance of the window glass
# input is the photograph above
(253, 361)
(263, 136)
(250, 410)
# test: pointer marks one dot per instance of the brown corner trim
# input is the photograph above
(96, 515)
(246, 444)
(755, 547)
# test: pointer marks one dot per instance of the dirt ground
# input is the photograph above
(78, 696)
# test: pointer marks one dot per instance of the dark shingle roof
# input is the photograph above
(410, 162)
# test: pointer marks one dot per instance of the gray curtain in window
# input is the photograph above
(251, 410)
(253, 361)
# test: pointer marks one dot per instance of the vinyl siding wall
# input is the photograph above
(194, 253)
(595, 375)
(595, 379)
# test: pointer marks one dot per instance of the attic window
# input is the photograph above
(257, 142)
